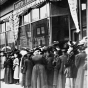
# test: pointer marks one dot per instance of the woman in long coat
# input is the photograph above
(38, 73)
(50, 68)
(8, 76)
(28, 66)
(16, 69)
(21, 73)
(61, 76)
(3, 59)
(56, 64)
(80, 64)
(70, 68)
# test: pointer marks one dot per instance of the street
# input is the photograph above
(3, 85)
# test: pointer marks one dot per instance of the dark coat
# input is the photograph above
(72, 69)
(39, 59)
(23, 70)
(28, 71)
(61, 76)
(50, 70)
(39, 71)
(8, 76)
(63, 59)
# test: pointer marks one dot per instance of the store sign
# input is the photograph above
(73, 8)
(22, 3)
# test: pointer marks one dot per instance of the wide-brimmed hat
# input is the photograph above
(81, 43)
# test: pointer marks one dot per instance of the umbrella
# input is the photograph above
(6, 48)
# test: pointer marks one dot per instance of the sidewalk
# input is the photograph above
(3, 85)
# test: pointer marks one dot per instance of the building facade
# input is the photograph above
(32, 23)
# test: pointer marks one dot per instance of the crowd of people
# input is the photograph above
(61, 65)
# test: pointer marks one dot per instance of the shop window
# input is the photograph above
(43, 41)
(42, 30)
(10, 36)
(3, 27)
(35, 14)
(44, 11)
(2, 37)
(83, 6)
(38, 31)
(8, 26)
(27, 18)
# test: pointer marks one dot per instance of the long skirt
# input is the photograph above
(50, 78)
(61, 81)
(8, 76)
(70, 83)
(80, 78)
(2, 73)
(22, 79)
(85, 79)
(39, 78)
(16, 72)
(55, 78)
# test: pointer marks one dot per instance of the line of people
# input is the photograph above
(61, 65)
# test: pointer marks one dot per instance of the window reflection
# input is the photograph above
(10, 36)
(44, 11)
(83, 6)
(27, 18)
(3, 27)
(42, 30)
(35, 14)
(8, 26)
(38, 30)
(2, 38)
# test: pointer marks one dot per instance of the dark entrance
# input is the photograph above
(60, 30)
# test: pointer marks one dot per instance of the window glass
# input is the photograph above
(2, 38)
(3, 27)
(44, 11)
(38, 31)
(43, 40)
(8, 26)
(27, 18)
(10, 36)
(83, 6)
(35, 14)
(42, 30)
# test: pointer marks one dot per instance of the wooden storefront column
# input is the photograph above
(69, 26)
(50, 26)
(80, 19)
(87, 36)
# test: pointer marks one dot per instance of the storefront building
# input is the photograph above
(32, 23)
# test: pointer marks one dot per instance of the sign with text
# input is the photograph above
(73, 8)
